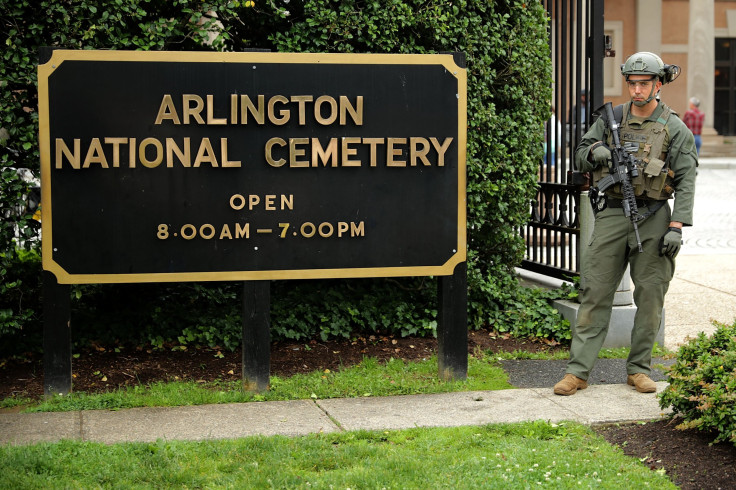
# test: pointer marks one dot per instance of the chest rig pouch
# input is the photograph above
(649, 143)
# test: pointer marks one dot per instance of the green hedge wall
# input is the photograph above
(509, 89)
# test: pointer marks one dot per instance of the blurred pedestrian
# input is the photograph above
(552, 137)
(580, 111)
(693, 119)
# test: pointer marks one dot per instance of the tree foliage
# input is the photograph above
(509, 88)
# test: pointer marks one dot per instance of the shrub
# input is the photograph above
(211, 313)
(529, 312)
(20, 301)
(702, 383)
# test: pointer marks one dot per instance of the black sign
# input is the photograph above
(238, 166)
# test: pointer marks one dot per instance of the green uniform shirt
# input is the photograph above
(683, 158)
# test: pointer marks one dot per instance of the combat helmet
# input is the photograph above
(646, 63)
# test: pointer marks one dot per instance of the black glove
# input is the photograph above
(600, 154)
(670, 243)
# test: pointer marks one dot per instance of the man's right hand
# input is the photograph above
(600, 154)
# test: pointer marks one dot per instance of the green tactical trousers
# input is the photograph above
(613, 246)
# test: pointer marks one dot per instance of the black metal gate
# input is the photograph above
(578, 46)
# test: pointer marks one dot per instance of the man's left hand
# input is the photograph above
(670, 243)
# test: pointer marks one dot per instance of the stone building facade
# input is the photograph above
(697, 35)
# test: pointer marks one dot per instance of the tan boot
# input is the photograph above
(642, 383)
(569, 385)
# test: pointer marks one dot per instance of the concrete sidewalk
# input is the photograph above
(594, 405)
(704, 287)
(702, 291)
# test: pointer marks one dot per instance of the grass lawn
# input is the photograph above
(369, 378)
(525, 455)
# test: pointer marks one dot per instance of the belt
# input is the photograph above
(641, 203)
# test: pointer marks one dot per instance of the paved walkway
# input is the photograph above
(596, 404)
(703, 290)
(704, 287)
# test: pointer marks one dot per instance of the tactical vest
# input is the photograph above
(649, 145)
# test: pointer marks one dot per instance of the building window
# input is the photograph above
(612, 66)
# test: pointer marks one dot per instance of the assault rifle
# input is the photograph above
(623, 169)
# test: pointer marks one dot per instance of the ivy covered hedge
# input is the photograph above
(509, 89)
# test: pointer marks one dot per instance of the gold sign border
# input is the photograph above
(59, 56)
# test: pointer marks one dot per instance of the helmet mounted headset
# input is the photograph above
(645, 63)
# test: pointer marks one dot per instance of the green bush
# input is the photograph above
(20, 301)
(337, 309)
(528, 312)
(509, 89)
(702, 384)
(211, 313)
(158, 314)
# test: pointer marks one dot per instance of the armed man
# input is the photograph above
(636, 173)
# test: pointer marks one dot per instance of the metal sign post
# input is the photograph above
(57, 337)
